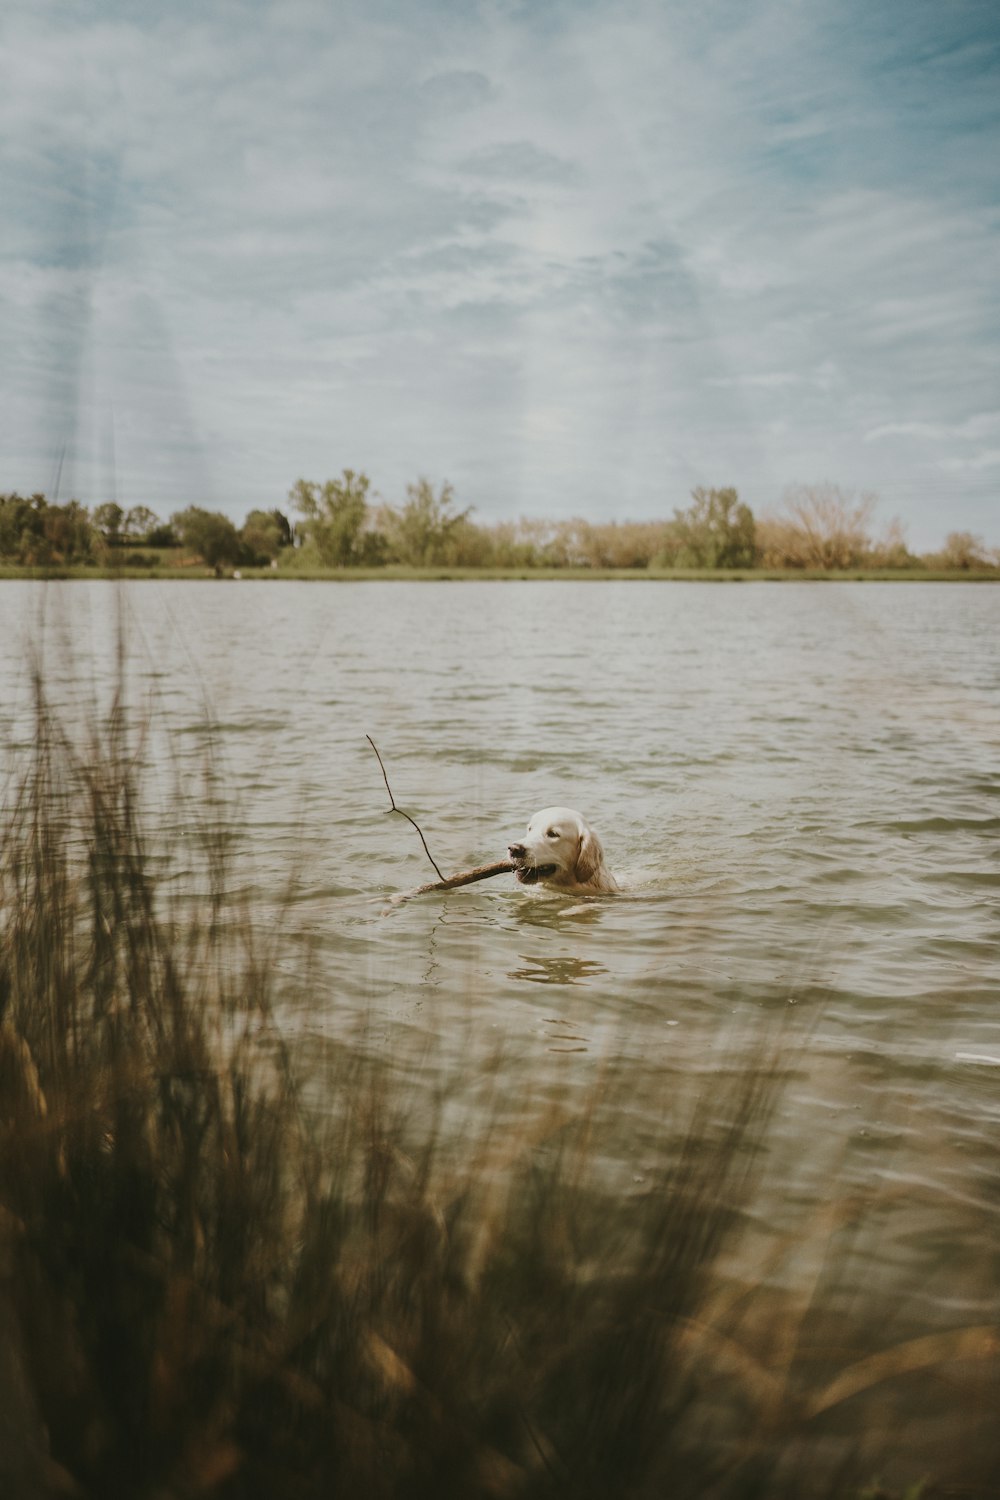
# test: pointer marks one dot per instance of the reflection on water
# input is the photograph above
(560, 913)
(557, 970)
(798, 787)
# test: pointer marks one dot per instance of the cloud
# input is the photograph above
(576, 259)
(977, 426)
(988, 458)
(770, 380)
(520, 161)
(454, 93)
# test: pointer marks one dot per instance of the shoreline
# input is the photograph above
(443, 574)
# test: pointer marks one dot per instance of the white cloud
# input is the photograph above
(977, 426)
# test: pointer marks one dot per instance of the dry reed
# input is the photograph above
(213, 1288)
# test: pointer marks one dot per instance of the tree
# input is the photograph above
(68, 532)
(162, 535)
(334, 516)
(890, 550)
(36, 533)
(139, 523)
(826, 527)
(265, 533)
(716, 531)
(22, 528)
(211, 535)
(963, 551)
(421, 532)
(108, 519)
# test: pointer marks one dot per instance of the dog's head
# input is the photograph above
(559, 849)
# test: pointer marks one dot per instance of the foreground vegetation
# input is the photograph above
(219, 1281)
(821, 531)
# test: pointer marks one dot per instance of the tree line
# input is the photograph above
(37, 532)
(340, 523)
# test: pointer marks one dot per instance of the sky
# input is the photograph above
(575, 258)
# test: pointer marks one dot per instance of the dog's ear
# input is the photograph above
(589, 858)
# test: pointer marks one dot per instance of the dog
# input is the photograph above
(561, 851)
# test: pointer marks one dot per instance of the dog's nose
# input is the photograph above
(516, 851)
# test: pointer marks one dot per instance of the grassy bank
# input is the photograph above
(220, 1280)
(400, 573)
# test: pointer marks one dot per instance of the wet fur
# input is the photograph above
(561, 851)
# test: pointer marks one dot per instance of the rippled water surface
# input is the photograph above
(798, 787)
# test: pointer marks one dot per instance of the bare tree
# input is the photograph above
(963, 551)
(823, 527)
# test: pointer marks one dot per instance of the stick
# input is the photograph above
(399, 810)
(467, 877)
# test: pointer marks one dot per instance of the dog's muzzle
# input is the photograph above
(525, 873)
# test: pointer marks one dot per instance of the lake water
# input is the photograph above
(798, 786)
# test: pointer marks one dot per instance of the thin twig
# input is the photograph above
(400, 810)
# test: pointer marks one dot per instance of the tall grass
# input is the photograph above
(214, 1284)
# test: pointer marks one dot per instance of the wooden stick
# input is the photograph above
(446, 882)
(467, 877)
(406, 815)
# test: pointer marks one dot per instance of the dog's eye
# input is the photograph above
(553, 833)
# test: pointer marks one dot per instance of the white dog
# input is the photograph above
(560, 850)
